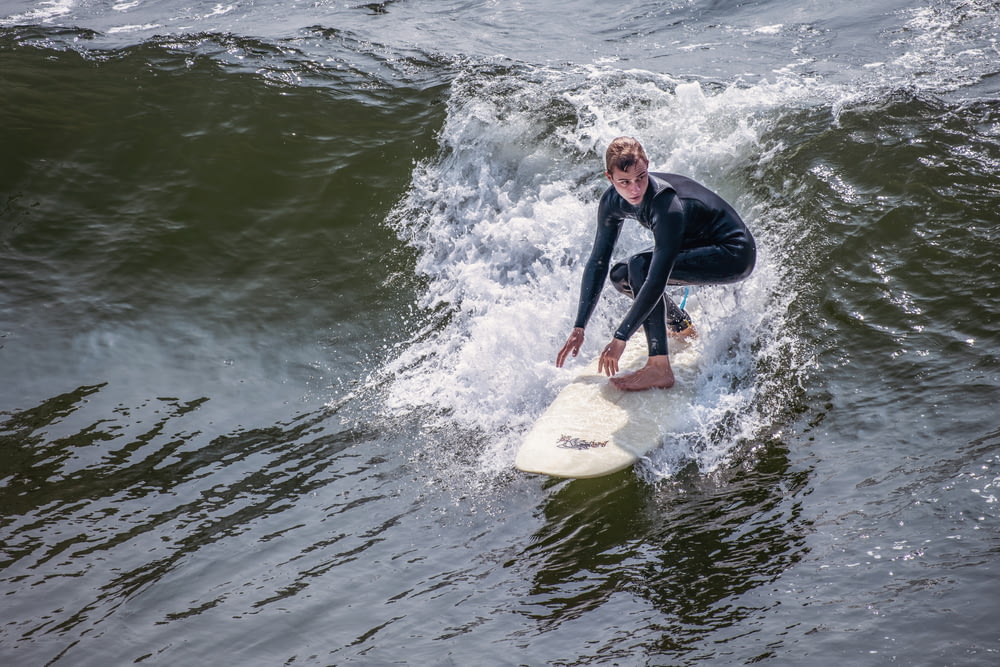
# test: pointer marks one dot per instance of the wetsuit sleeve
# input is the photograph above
(596, 270)
(667, 225)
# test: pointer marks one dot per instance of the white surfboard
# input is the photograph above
(593, 429)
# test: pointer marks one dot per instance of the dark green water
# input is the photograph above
(281, 287)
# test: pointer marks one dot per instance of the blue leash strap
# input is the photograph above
(685, 299)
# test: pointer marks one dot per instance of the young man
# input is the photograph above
(698, 238)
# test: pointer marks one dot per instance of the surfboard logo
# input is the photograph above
(569, 442)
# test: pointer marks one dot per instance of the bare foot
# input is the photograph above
(656, 374)
(683, 334)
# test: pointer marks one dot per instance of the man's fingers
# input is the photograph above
(608, 364)
(571, 346)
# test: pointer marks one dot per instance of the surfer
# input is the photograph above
(698, 239)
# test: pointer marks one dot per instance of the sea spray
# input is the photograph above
(502, 222)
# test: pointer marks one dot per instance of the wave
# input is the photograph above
(497, 223)
(502, 220)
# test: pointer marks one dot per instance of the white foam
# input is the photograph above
(132, 28)
(503, 220)
(948, 45)
(44, 12)
(768, 29)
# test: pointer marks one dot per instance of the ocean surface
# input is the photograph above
(282, 285)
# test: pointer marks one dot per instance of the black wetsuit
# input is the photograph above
(699, 239)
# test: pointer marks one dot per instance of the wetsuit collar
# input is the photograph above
(659, 184)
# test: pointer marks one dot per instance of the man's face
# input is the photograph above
(631, 183)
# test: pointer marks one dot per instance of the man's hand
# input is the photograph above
(608, 363)
(572, 346)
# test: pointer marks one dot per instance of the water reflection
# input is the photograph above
(689, 547)
(99, 505)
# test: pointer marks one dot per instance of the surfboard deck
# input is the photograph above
(593, 429)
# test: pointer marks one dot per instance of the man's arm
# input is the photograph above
(595, 272)
(668, 232)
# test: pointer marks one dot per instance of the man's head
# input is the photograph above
(623, 153)
(626, 164)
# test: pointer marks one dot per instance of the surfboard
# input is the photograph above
(592, 429)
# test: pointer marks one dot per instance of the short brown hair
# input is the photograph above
(624, 152)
